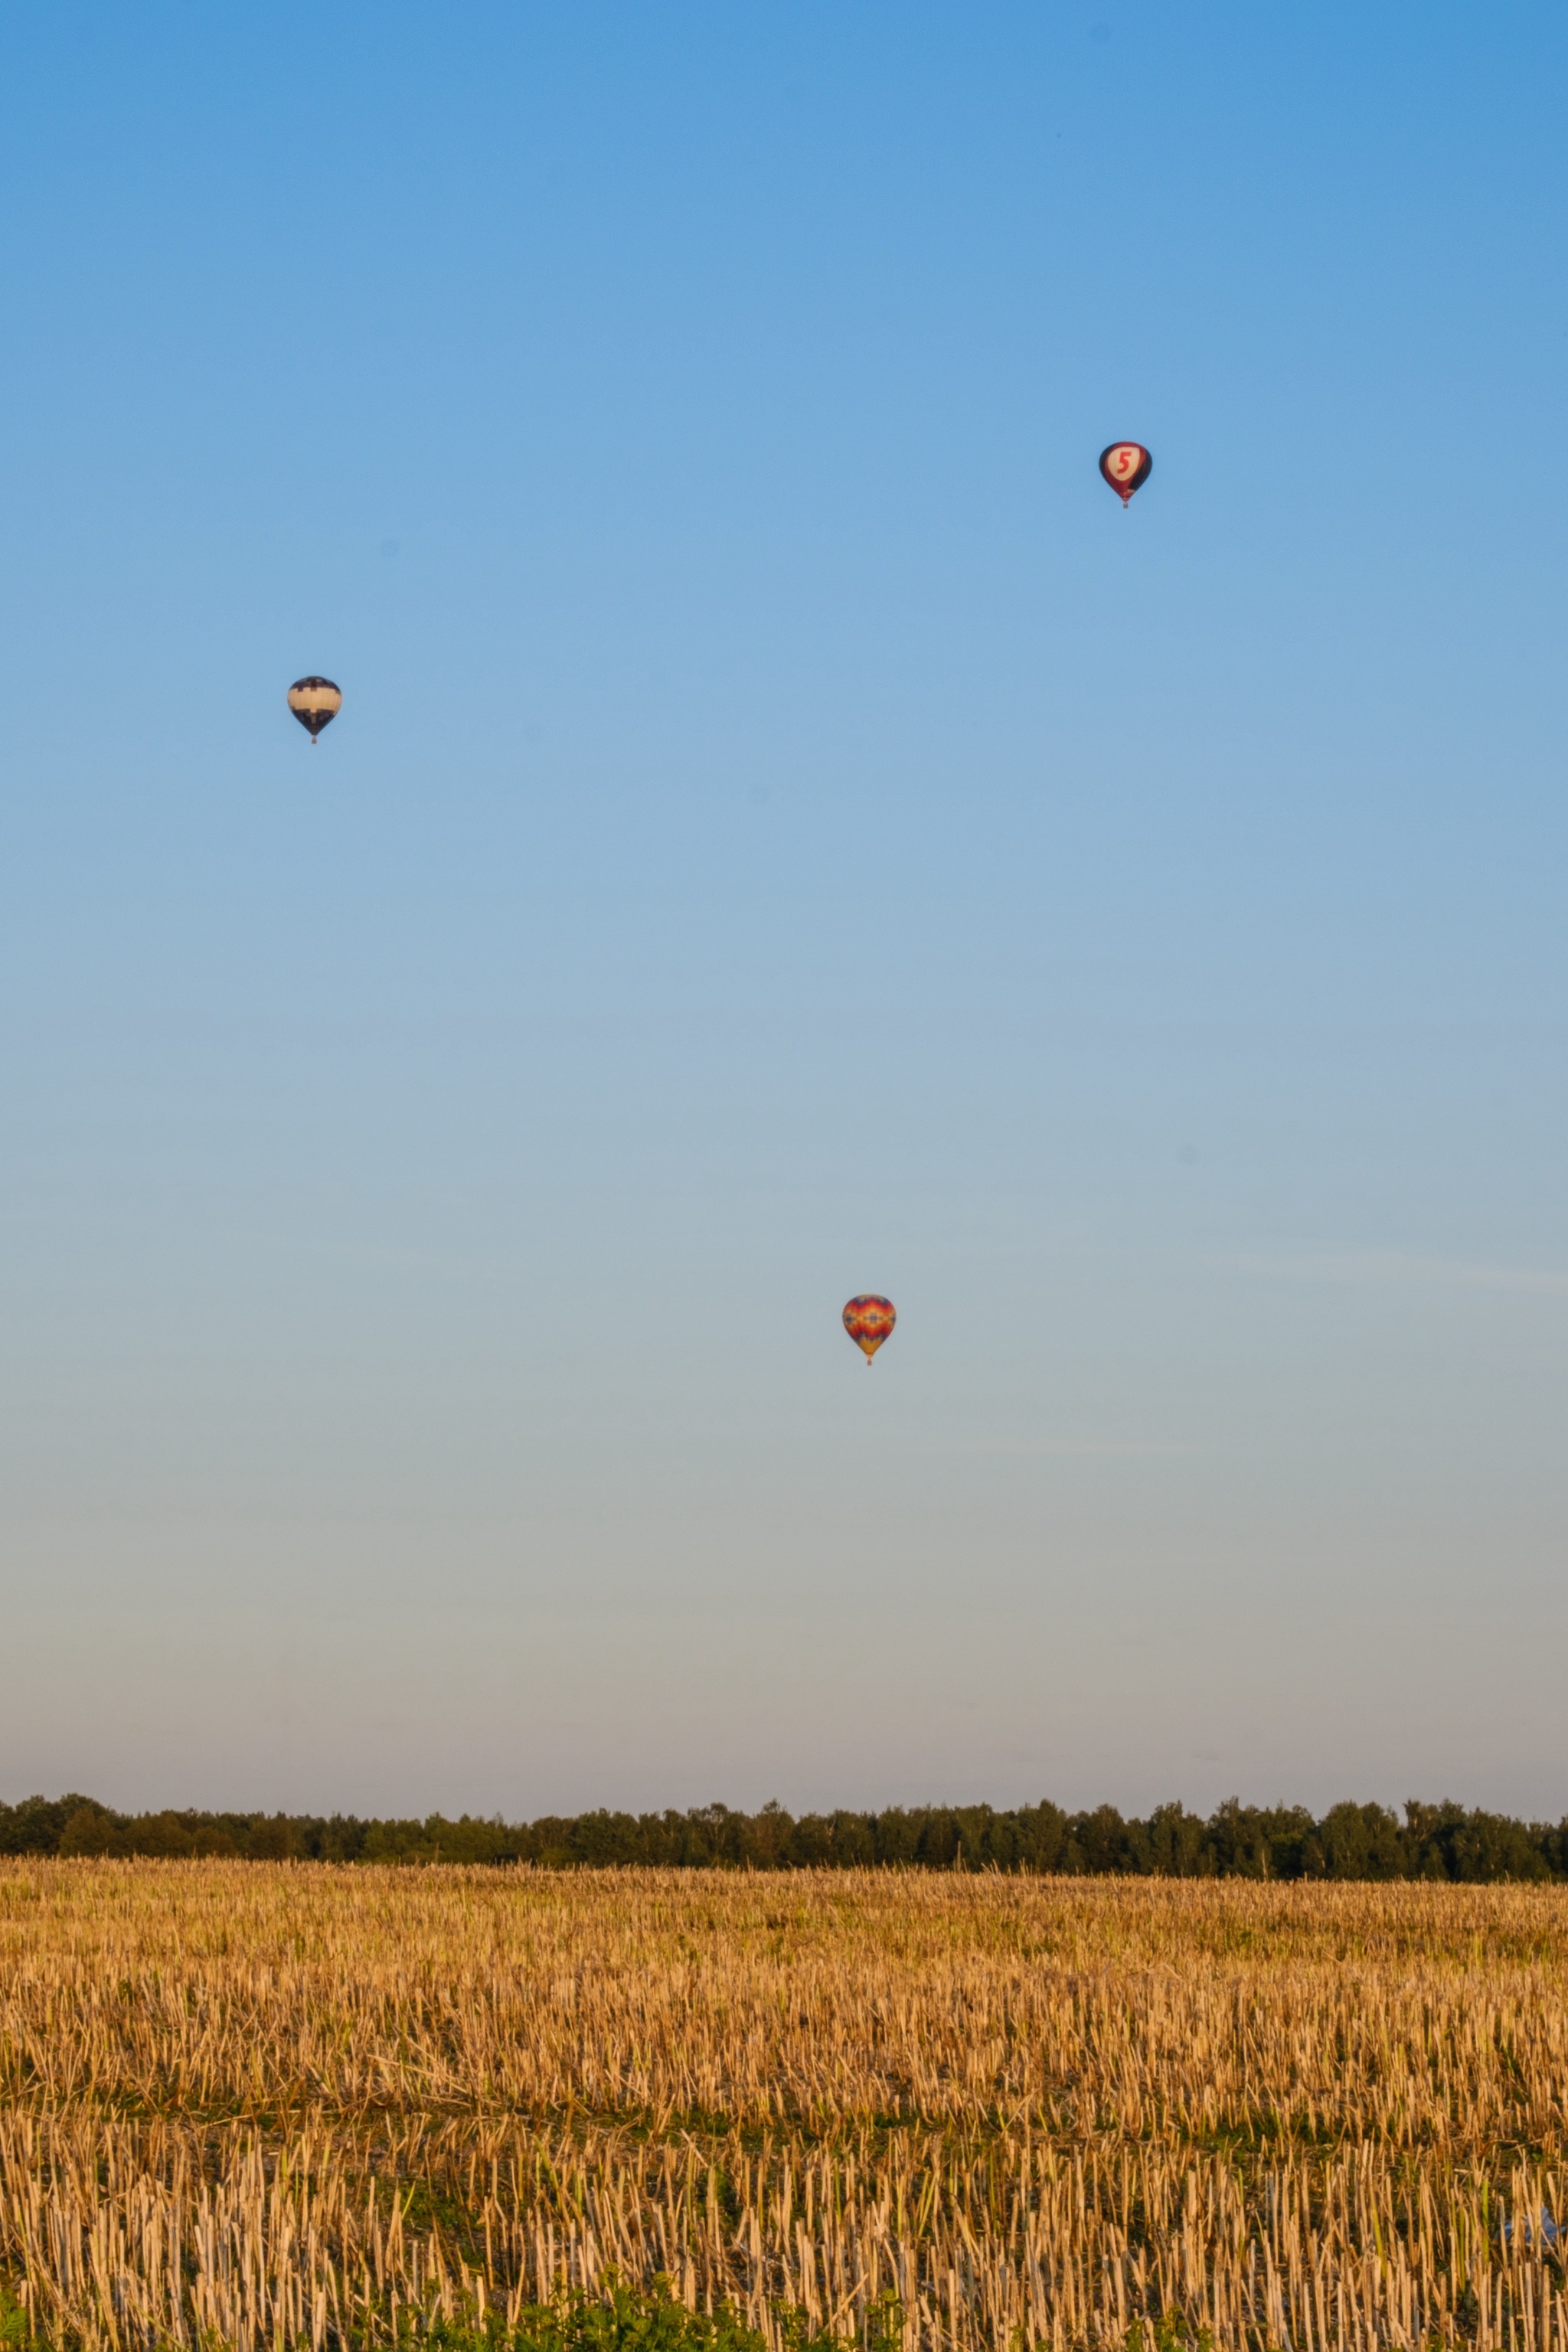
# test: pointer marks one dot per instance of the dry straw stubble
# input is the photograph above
(263, 2103)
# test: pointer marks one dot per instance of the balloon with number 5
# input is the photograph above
(1126, 465)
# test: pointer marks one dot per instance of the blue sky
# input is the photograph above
(788, 833)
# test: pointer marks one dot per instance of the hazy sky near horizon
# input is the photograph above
(788, 833)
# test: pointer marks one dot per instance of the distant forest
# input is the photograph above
(1350, 1842)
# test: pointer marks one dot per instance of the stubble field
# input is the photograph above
(263, 2105)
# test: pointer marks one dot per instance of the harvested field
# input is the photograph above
(266, 2104)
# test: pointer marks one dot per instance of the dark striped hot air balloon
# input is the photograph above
(315, 702)
(870, 1319)
(1126, 465)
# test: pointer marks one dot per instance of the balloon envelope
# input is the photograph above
(1126, 465)
(869, 1320)
(315, 702)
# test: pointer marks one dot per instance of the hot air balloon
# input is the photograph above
(315, 702)
(1126, 465)
(870, 1319)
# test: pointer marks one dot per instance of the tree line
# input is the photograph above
(1236, 1840)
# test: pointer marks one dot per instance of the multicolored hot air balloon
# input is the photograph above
(1126, 465)
(870, 1320)
(315, 702)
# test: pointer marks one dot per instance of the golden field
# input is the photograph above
(264, 2104)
